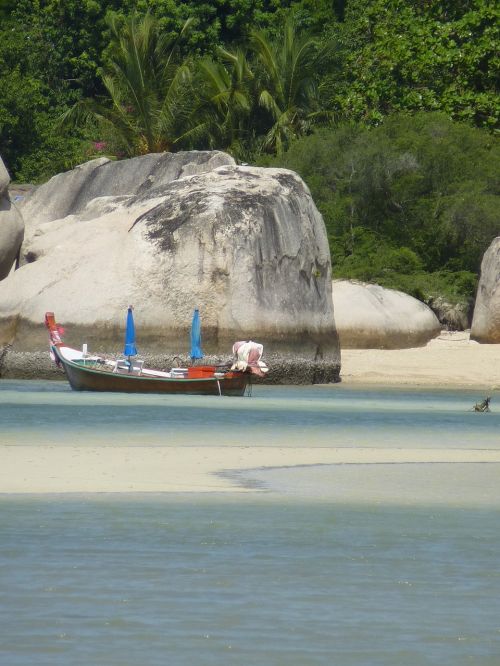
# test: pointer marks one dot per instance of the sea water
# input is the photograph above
(352, 565)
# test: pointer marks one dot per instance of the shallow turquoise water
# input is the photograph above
(282, 577)
(176, 581)
(320, 415)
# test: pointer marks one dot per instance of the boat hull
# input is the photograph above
(82, 378)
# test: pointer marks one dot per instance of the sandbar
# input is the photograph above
(120, 469)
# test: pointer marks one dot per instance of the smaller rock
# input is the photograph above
(453, 317)
(368, 316)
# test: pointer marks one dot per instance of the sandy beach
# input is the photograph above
(449, 361)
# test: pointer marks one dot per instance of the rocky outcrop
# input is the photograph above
(169, 233)
(369, 316)
(452, 316)
(11, 226)
(486, 319)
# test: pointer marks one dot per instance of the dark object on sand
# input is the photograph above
(483, 406)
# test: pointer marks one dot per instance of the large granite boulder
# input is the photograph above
(169, 233)
(11, 226)
(369, 316)
(70, 193)
(486, 319)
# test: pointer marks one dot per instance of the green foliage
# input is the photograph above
(61, 42)
(361, 60)
(227, 23)
(415, 196)
(455, 287)
(6, 8)
(222, 117)
(243, 101)
(29, 146)
(257, 99)
(285, 83)
(409, 198)
(400, 55)
(148, 92)
(48, 58)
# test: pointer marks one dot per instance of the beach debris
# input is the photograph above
(483, 406)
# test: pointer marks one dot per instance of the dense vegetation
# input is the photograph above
(411, 204)
(388, 108)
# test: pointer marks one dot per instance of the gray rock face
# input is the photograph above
(245, 245)
(11, 226)
(368, 316)
(486, 319)
(4, 179)
(70, 193)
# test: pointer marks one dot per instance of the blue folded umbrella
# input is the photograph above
(130, 348)
(196, 336)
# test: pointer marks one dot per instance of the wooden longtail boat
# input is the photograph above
(95, 373)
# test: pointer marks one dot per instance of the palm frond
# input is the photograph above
(267, 101)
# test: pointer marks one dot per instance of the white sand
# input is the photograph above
(451, 360)
(48, 469)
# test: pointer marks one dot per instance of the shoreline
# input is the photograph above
(450, 361)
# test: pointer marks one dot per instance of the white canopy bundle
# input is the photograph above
(248, 354)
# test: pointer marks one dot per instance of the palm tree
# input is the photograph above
(285, 72)
(225, 101)
(147, 83)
